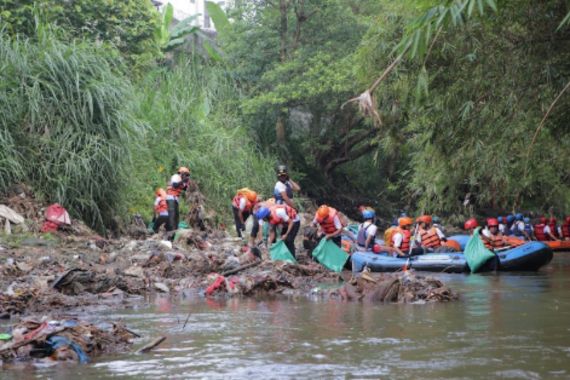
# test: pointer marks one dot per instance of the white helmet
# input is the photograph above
(175, 179)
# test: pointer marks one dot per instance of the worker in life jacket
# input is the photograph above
(160, 210)
(528, 230)
(436, 222)
(330, 224)
(281, 216)
(184, 173)
(401, 239)
(510, 220)
(551, 230)
(566, 229)
(242, 206)
(470, 225)
(517, 228)
(366, 236)
(428, 236)
(173, 192)
(539, 230)
(284, 187)
(502, 224)
(491, 236)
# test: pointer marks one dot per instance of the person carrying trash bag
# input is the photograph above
(330, 224)
(160, 211)
(243, 204)
(281, 216)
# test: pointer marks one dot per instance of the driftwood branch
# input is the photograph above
(151, 345)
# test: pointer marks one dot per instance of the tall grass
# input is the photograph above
(65, 123)
(193, 119)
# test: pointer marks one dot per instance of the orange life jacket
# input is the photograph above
(161, 206)
(275, 219)
(496, 241)
(430, 238)
(174, 192)
(237, 199)
(405, 247)
(327, 224)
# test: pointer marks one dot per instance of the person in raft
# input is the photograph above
(565, 229)
(402, 238)
(284, 187)
(242, 206)
(330, 224)
(160, 210)
(429, 236)
(282, 216)
(492, 238)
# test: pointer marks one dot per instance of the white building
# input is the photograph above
(187, 8)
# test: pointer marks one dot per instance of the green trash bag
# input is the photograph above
(280, 252)
(330, 255)
(182, 225)
(150, 227)
(476, 253)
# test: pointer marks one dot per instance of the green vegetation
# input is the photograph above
(409, 104)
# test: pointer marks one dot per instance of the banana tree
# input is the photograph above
(169, 37)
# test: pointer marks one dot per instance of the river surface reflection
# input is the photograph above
(509, 326)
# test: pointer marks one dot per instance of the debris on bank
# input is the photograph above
(405, 287)
(48, 341)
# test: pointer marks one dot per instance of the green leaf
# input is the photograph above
(218, 16)
(212, 53)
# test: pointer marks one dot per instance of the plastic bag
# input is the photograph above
(280, 252)
(476, 254)
(330, 255)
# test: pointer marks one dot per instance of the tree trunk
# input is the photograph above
(280, 129)
(283, 9)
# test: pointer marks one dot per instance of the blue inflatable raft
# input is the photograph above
(527, 257)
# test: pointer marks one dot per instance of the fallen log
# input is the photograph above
(151, 345)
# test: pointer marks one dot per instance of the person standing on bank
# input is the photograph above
(284, 187)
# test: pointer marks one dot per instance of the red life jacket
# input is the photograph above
(553, 228)
(430, 238)
(566, 230)
(237, 199)
(405, 247)
(497, 241)
(327, 224)
(275, 219)
(539, 232)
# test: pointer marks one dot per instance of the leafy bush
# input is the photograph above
(65, 124)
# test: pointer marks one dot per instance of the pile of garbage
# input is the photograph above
(48, 341)
(403, 287)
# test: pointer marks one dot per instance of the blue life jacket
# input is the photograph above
(516, 231)
(362, 236)
(278, 198)
(528, 229)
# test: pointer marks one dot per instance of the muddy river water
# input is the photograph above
(512, 326)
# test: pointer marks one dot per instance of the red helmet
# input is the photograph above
(492, 222)
(470, 224)
(425, 219)
(542, 220)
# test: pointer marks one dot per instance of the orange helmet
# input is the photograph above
(183, 170)
(251, 196)
(424, 218)
(405, 221)
(470, 224)
(323, 212)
